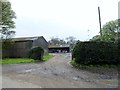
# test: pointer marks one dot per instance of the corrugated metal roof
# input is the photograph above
(26, 38)
(54, 46)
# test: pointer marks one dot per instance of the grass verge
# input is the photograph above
(23, 60)
(81, 66)
(16, 60)
(100, 69)
(47, 57)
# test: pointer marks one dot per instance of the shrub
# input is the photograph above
(36, 53)
(96, 53)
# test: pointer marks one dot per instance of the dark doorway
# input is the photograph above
(59, 50)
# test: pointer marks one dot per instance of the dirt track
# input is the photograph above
(54, 73)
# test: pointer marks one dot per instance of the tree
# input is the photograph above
(62, 42)
(72, 41)
(110, 32)
(56, 41)
(109, 27)
(95, 38)
(6, 22)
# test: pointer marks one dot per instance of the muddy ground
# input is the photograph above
(57, 73)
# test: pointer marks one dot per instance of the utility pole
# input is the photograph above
(99, 21)
(88, 34)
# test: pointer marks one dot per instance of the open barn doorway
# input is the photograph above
(59, 49)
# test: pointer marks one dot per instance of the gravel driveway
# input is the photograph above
(54, 73)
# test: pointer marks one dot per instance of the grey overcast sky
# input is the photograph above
(62, 18)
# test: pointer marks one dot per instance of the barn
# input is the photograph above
(22, 46)
(59, 48)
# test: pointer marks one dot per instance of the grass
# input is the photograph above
(23, 60)
(104, 69)
(81, 66)
(16, 60)
(110, 82)
(47, 57)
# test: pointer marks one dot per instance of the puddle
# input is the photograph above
(76, 78)
(29, 70)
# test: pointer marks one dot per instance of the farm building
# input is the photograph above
(59, 48)
(22, 46)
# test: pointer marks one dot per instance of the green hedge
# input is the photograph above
(36, 53)
(96, 53)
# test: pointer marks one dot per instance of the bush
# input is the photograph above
(36, 53)
(96, 53)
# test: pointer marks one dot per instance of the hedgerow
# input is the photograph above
(96, 53)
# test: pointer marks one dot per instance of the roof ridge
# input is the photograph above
(27, 37)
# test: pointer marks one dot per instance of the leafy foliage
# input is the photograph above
(6, 22)
(71, 41)
(110, 32)
(96, 53)
(56, 41)
(36, 53)
(110, 26)
(7, 43)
